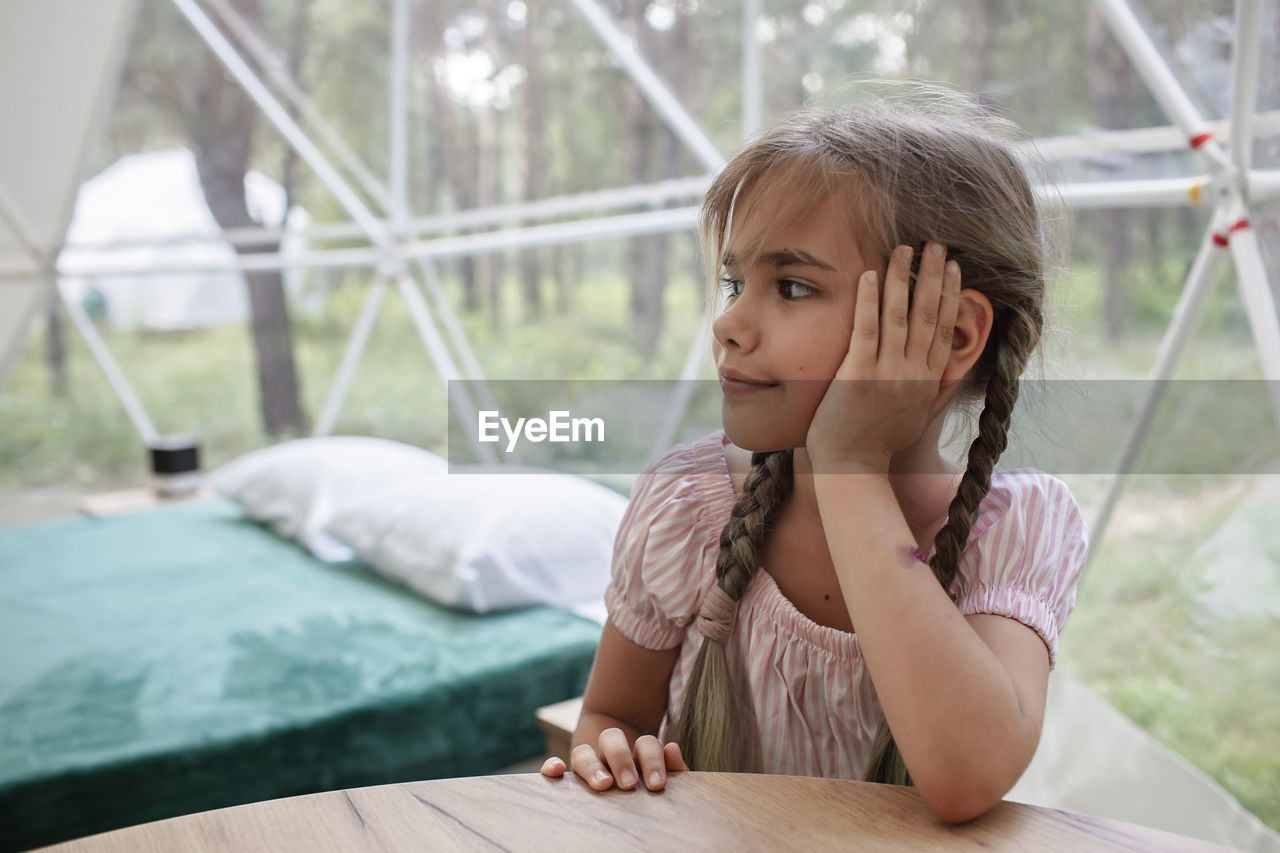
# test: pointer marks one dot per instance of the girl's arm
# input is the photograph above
(627, 688)
(625, 700)
(964, 696)
(964, 699)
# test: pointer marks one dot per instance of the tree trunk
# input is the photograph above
(489, 175)
(566, 157)
(679, 73)
(531, 156)
(55, 348)
(429, 24)
(646, 296)
(467, 191)
(981, 20)
(488, 179)
(568, 258)
(459, 157)
(273, 340)
(1109, 78)
(560, 276)
(299, 29)
(223, 136)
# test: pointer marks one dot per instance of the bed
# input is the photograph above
(186, 658)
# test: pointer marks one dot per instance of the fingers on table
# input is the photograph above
(651, 761)
(587, 764)
(616, 761)
(675, 759)
(617, 753)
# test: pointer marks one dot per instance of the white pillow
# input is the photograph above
(490, 538)
(296, 487)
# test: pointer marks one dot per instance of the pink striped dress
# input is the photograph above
(816, 708)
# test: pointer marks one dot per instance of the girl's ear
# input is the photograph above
(973, 327)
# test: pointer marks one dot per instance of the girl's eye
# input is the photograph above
(790, 290)
(794, 289)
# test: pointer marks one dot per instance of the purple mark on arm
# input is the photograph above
(909, 556)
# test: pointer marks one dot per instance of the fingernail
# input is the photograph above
(936, 250)
(655, 779)
(600, 776)
(627, 778)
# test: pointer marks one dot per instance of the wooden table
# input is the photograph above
(698, 811)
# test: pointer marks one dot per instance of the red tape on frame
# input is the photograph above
(1220, 240)
(1201, 139)
(1239, 226)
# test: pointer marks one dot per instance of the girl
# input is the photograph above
(813, 590)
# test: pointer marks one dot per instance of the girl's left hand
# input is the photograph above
(884, 393)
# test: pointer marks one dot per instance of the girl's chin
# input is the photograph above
(763, 437)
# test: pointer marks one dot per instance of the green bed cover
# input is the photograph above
(186, 659)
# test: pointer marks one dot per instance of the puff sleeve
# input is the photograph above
(1025, 554)
(665, 550)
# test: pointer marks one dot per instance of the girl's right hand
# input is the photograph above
(615, 761)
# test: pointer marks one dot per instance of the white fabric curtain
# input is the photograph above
(59, 64)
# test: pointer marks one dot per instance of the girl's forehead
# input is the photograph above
(777, 211)
(782, 195)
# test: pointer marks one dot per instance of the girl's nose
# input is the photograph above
(737, 326)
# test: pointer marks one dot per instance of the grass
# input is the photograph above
(1209, 688)
(1205, 686)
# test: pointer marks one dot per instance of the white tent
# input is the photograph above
(58, 61)
(148, 206)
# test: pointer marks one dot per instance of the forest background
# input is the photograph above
(513, 101)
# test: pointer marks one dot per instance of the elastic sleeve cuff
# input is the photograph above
(1025, 607)
(654, 634)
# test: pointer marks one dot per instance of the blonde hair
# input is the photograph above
(937, 169)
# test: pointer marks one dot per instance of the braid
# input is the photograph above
(993, 431)
(716, 729)
(886, 763)
(767, 487)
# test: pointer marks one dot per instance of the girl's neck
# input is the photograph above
(922, 481)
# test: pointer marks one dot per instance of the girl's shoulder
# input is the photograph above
(1036, 497)
(691, 479)
(667, 542)
(1026, 552)
(707, 451)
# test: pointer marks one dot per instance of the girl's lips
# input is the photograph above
(737, 386)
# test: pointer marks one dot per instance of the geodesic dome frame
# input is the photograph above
(78, 62)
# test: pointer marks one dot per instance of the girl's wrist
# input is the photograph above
(860, 462)
(850, 485)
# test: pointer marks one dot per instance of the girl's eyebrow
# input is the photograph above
(796, 258)
(786, 258)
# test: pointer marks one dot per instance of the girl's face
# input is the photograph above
(790, 275)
